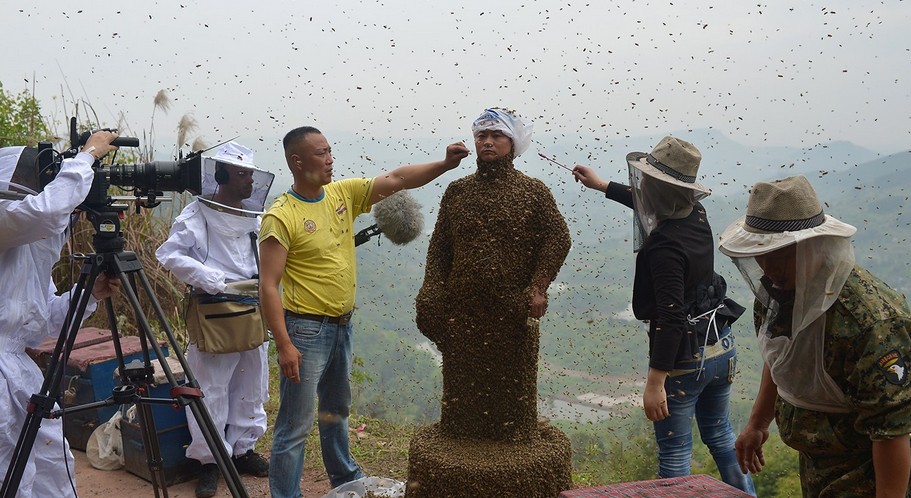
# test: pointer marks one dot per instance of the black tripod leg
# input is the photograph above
(197, 407)
(42, 403)
(152, 449)
(146, 421)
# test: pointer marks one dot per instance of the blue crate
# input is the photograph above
(172, 442)
(167, 416)
(89, 375)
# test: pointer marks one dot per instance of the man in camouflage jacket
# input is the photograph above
(835, 341)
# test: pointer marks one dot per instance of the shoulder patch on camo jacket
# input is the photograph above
(893, 366)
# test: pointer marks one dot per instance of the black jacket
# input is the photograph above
(674, 270)
(676, 258)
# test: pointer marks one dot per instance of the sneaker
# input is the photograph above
(208, 481)
(251, 463)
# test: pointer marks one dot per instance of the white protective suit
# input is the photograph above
(207, 249)
(31, 237)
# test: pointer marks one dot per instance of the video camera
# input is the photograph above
(148, 180)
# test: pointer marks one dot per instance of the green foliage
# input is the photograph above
(602, 455)
(394, 380)
(621, 450)
(358, 376)
(20, 120)
(779, 477)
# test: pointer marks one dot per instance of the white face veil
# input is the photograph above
(9, 161)
(214, 169)
(655, 201)
(796, 259)
(232, 174)
(799, 284)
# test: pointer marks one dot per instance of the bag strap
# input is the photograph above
(710, 316)
(255, 250)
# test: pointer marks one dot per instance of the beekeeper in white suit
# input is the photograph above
(212, 248)
(32, 233)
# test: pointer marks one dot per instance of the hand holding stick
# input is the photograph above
(567, 168)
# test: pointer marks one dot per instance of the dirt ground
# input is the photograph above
(119, 483)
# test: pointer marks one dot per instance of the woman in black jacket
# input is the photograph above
(691, 350)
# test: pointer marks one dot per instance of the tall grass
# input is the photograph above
(143, 229)
(143, 232)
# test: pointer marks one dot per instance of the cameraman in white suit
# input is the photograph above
(32, 233)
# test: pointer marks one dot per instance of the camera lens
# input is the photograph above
(159, 176)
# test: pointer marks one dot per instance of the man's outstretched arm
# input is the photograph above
(416, 175)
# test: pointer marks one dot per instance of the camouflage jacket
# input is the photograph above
(867, 353)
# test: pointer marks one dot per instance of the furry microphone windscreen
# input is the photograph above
(399, 217)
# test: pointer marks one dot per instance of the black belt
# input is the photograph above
(341, 320)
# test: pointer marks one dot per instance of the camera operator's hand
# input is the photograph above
(105, 286)
(99, 144)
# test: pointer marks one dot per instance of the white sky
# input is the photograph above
(777, 73)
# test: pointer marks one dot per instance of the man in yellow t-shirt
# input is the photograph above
(307, 246)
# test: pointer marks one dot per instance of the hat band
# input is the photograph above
(785, 225)
(664, 168)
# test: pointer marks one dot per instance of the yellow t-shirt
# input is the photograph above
(320, 274)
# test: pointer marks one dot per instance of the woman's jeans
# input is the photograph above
(706, 398)
(324, 372)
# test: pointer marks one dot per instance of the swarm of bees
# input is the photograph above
(499, 234)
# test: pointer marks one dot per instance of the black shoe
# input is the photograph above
(208, 481)
(251, 463)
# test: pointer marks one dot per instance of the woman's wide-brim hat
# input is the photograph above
(672, 161)
(779, 214)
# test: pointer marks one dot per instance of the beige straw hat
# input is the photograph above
(780, 213)
(673, 161)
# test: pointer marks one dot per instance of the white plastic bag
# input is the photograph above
(104, 448)
(379, 486)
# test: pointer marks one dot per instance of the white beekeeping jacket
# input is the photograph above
(32, 233)
(208, 248)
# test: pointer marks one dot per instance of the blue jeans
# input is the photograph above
(706, 398)
(325, 367)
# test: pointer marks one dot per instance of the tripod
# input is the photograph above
(111, 259)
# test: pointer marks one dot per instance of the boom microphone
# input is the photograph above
(397, 216)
